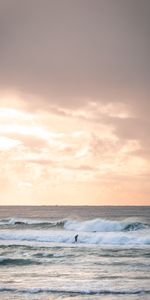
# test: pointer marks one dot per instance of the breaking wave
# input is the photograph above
(102, 225)
(95, 225)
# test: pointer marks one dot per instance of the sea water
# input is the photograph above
(40, 260)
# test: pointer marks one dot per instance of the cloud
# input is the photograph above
(134, 129)
(29, 141)
(66, 51)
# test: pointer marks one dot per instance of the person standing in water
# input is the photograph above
(76, 238)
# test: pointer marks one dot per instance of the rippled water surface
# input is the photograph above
(40, 260)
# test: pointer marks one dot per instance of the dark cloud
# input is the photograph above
(66, 51)
(135, 129)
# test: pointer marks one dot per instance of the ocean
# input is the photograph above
(40, 260)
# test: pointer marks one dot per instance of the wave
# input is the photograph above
(76, 291)
(31, 222)
(99, 238)
(95, 225)
(17, 262)
(102, 225)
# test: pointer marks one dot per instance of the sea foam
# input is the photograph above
(62, 236)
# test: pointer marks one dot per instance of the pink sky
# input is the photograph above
(74, 102)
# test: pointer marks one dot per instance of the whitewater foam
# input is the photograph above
(100, 238)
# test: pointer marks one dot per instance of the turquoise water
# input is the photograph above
(40, 260)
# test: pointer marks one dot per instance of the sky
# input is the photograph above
(74, 102)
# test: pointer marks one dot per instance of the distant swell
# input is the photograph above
(75, 292)
(31, 223)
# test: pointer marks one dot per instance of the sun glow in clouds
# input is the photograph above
(40, 160)
(7, 143)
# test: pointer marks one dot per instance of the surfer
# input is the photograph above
(76, 238)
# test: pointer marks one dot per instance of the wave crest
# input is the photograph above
(103, 225)
(31, 222)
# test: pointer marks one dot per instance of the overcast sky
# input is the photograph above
(75, 102)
